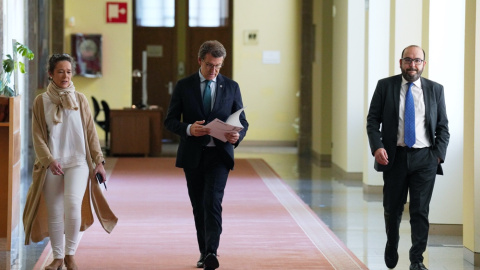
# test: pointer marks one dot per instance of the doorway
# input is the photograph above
(166, 38)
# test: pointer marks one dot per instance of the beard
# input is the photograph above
(413, 77)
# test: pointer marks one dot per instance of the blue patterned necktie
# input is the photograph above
(207, 98)
(409, 117)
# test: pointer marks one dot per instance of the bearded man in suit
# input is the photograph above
(409, 164)
(206, 161)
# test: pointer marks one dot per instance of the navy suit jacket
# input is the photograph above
(186, 107)
(384, 113)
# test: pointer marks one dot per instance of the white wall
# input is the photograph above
(348, 84)
(446, 66)
(378, 66)
(355, 84)
(269, 91)
(408, 28)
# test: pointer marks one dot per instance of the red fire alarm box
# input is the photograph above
(116, 12)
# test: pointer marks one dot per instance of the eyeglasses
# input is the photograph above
(416, 61)
(210, 66)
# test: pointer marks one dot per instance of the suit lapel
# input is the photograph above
(197, 91)
(397, 87)
(427, 98)
(219, 91)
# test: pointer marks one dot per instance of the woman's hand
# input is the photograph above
(101, 170)
(55, 168)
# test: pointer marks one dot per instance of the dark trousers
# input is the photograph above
(206, 185)
(414, 172)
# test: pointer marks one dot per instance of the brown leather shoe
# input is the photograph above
(55, 265)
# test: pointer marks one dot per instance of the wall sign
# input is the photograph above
(271, 57)
(116, 12)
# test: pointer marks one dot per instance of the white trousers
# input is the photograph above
(63, 195)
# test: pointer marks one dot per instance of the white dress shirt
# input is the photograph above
(421, 135)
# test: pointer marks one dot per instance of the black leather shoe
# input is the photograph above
(201, 261)
(391, 256)
(211, 262)
(418, 266)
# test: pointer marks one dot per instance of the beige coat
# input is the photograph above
(35, 213)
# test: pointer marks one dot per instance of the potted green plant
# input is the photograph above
(9, 65)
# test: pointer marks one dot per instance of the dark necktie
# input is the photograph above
(207, 98)
(409, 117)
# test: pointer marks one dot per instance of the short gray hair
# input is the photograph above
(213, 47)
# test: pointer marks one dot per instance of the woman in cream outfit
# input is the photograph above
(68, 155)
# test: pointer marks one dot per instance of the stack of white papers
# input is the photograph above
(218, 128)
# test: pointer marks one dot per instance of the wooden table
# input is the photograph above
(136, 132)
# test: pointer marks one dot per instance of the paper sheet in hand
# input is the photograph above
(218, 128)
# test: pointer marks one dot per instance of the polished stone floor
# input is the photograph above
(356, 218)
(22, 257)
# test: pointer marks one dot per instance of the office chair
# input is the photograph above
(101, 124)
(96, 109)
(106, 111)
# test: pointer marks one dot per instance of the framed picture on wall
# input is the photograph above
(87, 52)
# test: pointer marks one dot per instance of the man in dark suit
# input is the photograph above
(403, 106)
(206, 161)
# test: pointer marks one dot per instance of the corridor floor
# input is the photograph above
(355, 217)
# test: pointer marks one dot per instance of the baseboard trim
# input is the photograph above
(371, 189)
(341, 174)
(446, 229)
(321, 160)
(471, 257)
(270, 143)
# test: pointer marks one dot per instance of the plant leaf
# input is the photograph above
(21, 66)
(8, 64)
(24, 51)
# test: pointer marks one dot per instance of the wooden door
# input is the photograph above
(197, 35)
(160, 45)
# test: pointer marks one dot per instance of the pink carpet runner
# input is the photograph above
(266, 225)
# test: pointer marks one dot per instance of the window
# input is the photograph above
(207, 13)
(155, 13)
